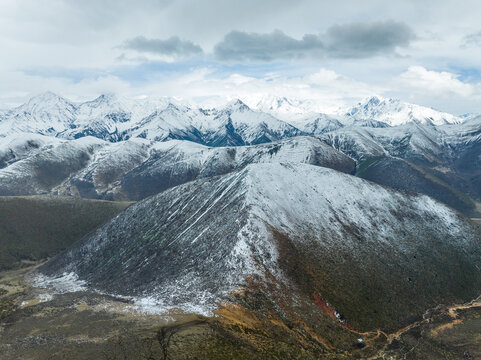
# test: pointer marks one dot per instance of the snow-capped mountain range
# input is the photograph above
(115, 118)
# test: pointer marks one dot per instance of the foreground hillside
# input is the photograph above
(34, 228)
(42, 324)
(298, 243)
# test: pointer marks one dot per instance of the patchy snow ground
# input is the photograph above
(66, 282)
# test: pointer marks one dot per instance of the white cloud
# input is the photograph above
(70, 37)
(442, 83)
(17, 87)
(328, 88)
(441, 90)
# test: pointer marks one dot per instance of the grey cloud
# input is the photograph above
(352, 40)
(359, 40)
(238, 45)
(473, 39)
(172, 46)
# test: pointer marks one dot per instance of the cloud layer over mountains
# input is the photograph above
(226, 48)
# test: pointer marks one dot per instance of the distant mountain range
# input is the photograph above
(118, 148)
(113, 118)
(384, 111)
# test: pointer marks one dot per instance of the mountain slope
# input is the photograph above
(440, 161)
(465, 144)
(332, 243)
(175, 162)
(45, 169)
(34, 228)
(18, 146)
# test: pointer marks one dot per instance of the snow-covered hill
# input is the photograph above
(441, 161)
(287, 234)
(21, 145)
(44, 169)
(136, 168)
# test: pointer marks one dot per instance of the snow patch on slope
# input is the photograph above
(66, 282)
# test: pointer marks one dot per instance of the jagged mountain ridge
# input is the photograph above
(306, 231)
(438, 160)
(115, 118)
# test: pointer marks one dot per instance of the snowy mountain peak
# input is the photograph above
(46, 113)
(279, 105)
(46, 96)
(46, 101)
(237, 105)
(104, 98)
(376, 100)
(172, 107)
(275, 103)
(394, 112)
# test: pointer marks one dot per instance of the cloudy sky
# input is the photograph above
(338, 52)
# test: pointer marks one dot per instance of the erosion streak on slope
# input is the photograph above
(213, 203)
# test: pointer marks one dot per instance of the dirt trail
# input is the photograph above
(452, 311)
